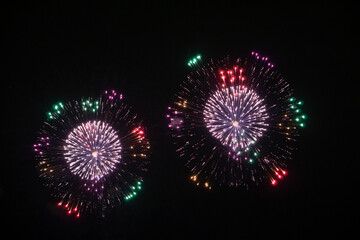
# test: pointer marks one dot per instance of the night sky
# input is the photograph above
(60, 51)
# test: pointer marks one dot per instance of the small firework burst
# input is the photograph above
(235, 121)
(92, 153)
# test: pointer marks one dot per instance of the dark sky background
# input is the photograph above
(63, 51)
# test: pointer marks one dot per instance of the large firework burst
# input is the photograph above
(92, 153)
(235, 121)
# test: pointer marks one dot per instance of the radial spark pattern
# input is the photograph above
(235, 121)
(92, 153)
(235, 116)
(92, 150)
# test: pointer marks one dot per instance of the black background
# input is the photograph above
(60, 51)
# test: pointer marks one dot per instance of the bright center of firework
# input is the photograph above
(95, 154)
(92, 150)
(236, 117)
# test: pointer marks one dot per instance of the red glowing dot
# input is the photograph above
(243, 78)
(78, 215)
(141, 132)
(59, 204)
(273, 182)
(284, 172)
(69, 212)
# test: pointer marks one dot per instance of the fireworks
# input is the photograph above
(92, 150)
(235, 121)
(92, 153)
(235, 116)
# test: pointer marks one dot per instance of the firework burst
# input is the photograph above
(235, 121)
(92, 153)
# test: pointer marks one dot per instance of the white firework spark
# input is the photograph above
(92, 150)
(236, 117)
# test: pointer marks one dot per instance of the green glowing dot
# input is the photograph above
(251, 160)
(93, 109)
(139, 187)
(51, 117)
(300, 102)
(292, 99)
(302, 124)
(134, 193)
(292, 106)
(303, 116)
(58, 112)
(298, 110)
(55, 107)
(139, 183)
(255, 154)
(297, 119)
(133, 188)
(198, 56)
(85, 108)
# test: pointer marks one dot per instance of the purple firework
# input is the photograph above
(92, 153)
(235, 121)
